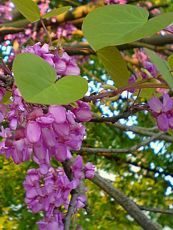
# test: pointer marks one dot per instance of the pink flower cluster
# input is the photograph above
(51, 133)
(47, 191)
(162, 111)
(64, 64)
(50, 189)
(42, 133)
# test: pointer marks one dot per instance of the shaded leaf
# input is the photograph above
(37, 82)
(115, 65)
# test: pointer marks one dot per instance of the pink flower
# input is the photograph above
(77, 168)
(83, 111)
(58, 113)
(162, 111)
(62, 153)
(33, 132)
(89, 170)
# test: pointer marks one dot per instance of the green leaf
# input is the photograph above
(106, 26)
(170, 61)
(56, 12)
(28, 9)
(151, 27)
(37, 82)
(120, 24)
(162, 66)
(115, 65)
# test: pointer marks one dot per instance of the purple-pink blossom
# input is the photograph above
(162, 111)
(63, 64)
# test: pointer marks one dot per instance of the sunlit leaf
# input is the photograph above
(37, 82)
(28, 9)
(120, 24)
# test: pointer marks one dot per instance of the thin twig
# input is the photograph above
(157, 210)
(112, 93)
(46, 31)
(124, 115)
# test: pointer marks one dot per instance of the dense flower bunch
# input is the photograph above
(64, 64)
(162, 111)
(43, 133)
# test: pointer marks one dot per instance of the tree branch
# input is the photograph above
(143, 131)
(74, 194)
(126, 203)
(156, 43)
(112, 93)
(124, 115)
(127, 150)
(71, 209)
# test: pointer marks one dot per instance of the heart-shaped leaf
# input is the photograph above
(119, 24)
(150, 27)
(37, 82)
(57, 11)
(28, 9)
(114, 64)
(162, 66)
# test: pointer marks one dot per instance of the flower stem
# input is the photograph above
(46, 31)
